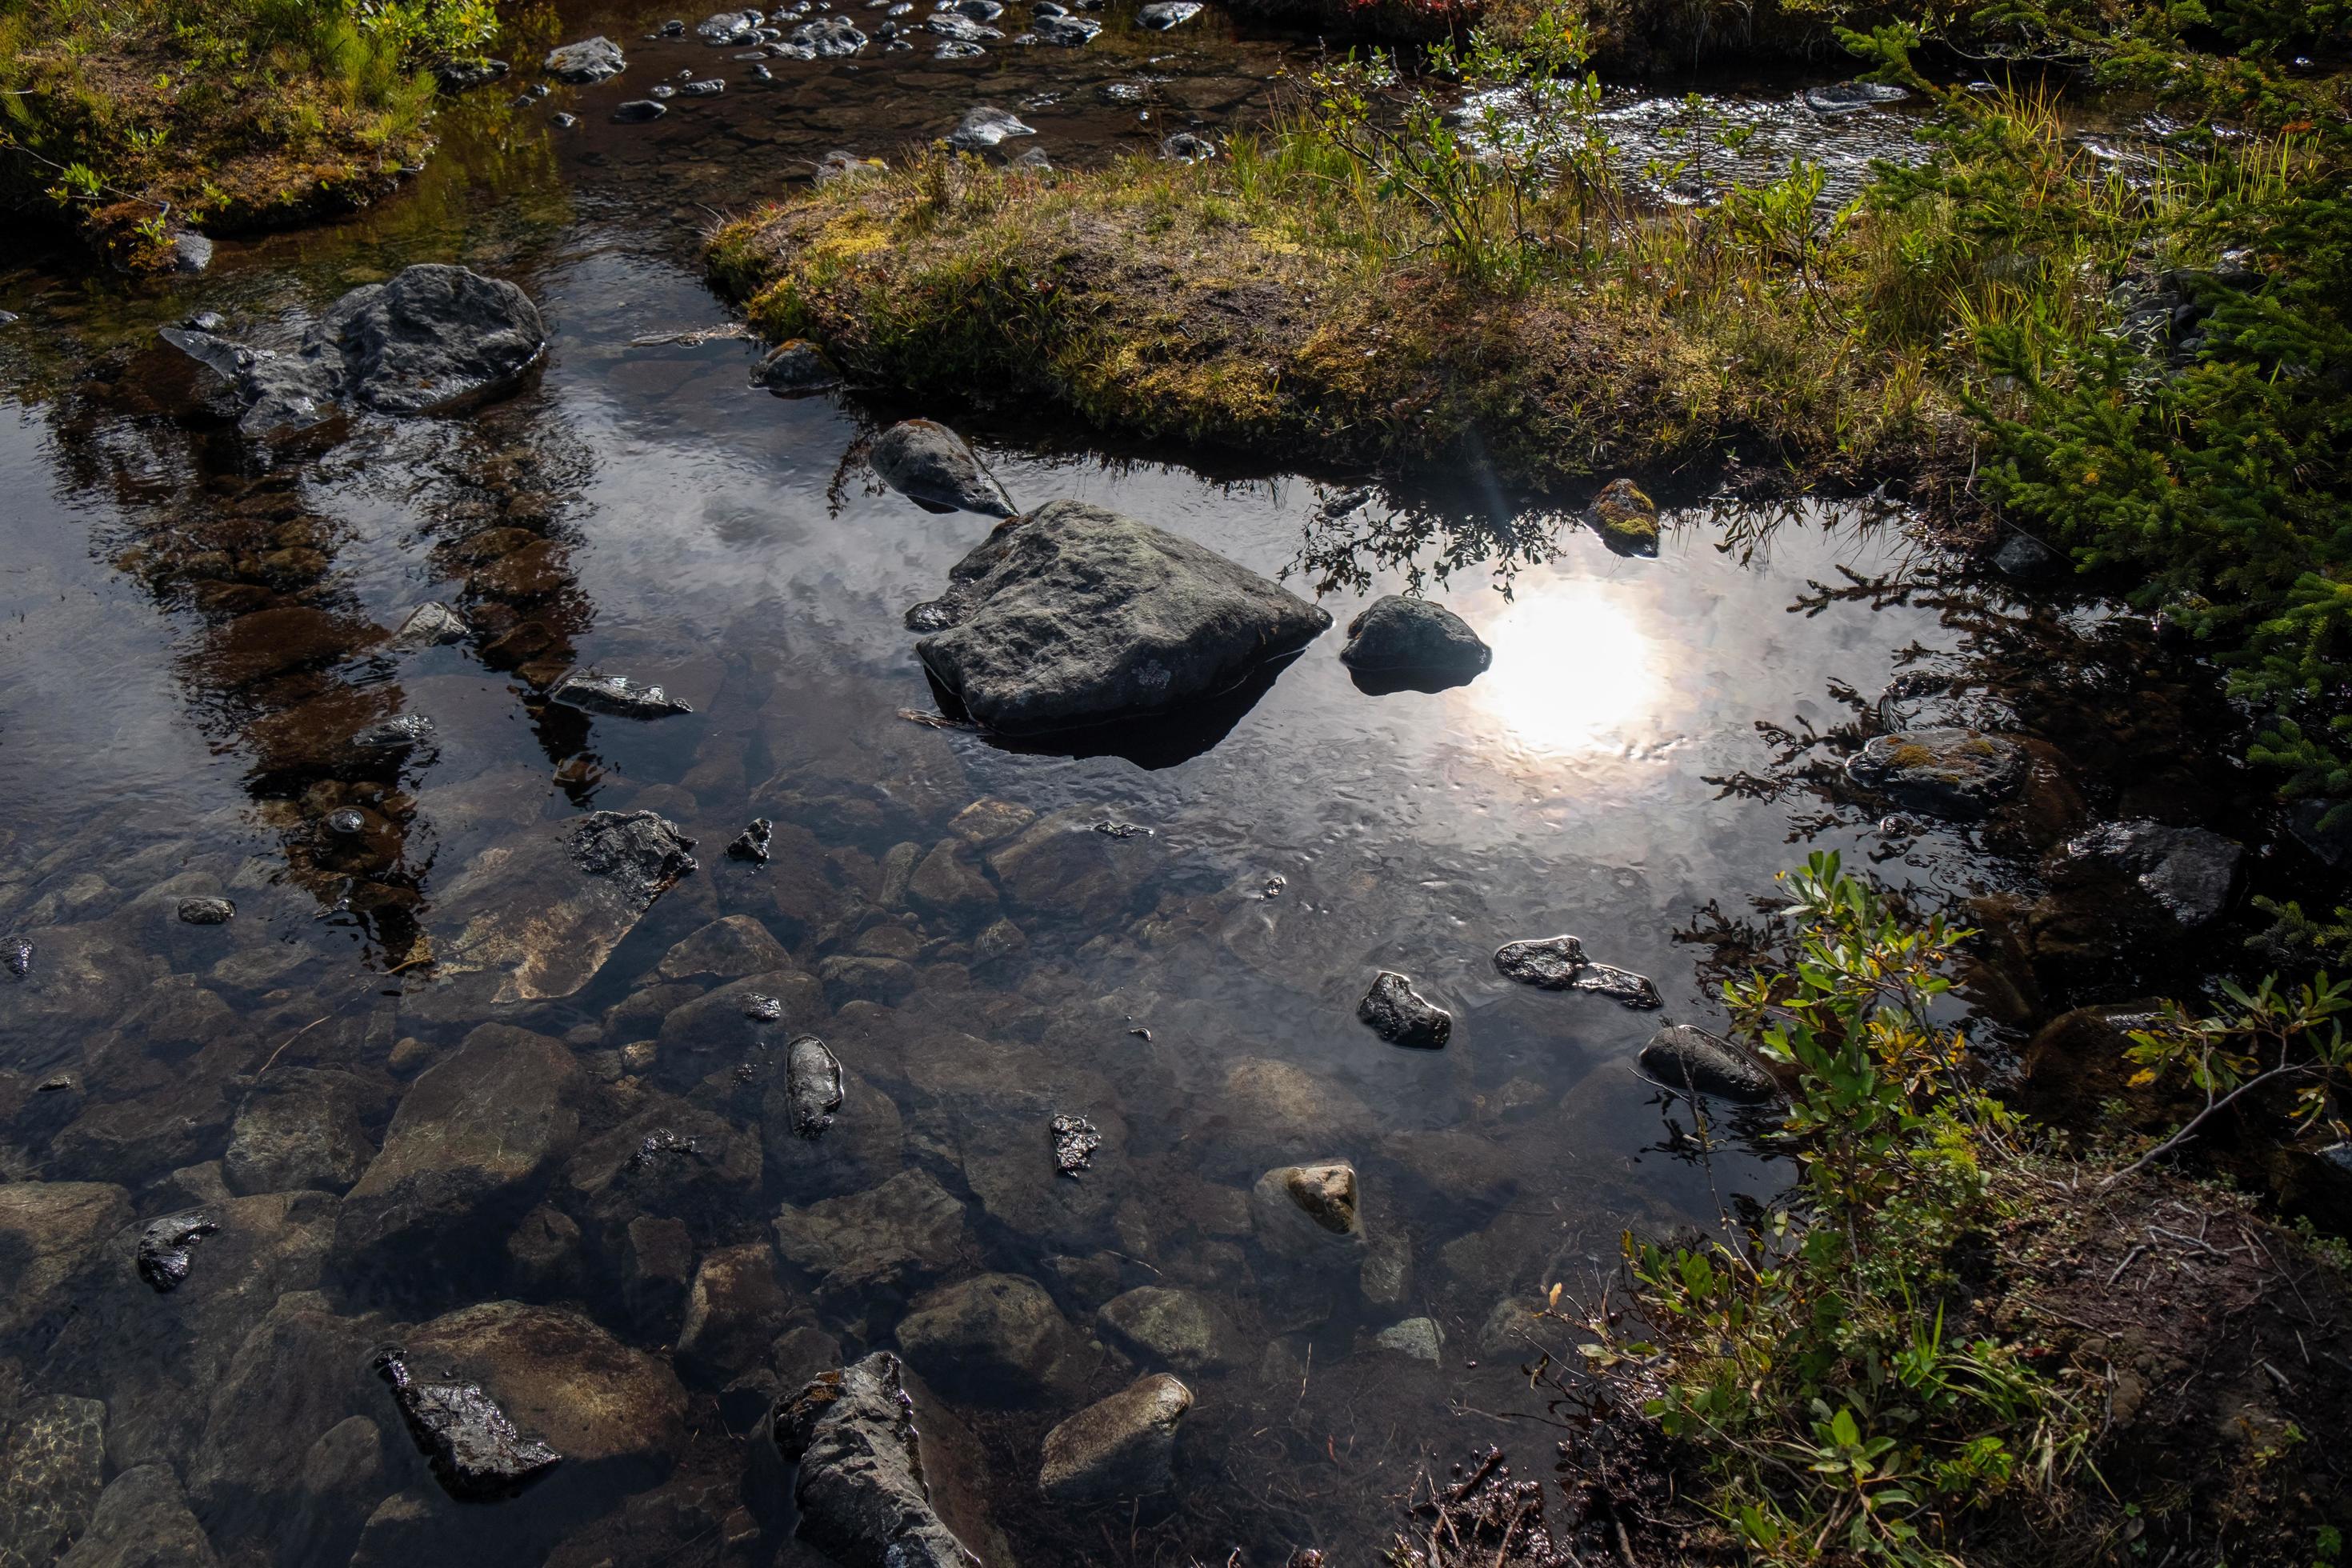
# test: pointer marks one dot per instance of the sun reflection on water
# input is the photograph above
(1573, 670)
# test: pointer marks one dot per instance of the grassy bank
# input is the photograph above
(2146, 361)
(129, 120)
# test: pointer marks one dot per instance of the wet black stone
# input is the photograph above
(1684, 1058)
(397, 735)
(2026, 559)
(639, 848)
(1184, 147)
(1397, 642)
(763, 1009)
(929, 463)
(2191, 872)
(206, 911)
(861, 1490)
(1403, 1016)
(474, 1450)
(616, 695)
(752, 843)
(1075, 1139)
(811, 1086)
(1558, 964)
(16, 956)
(709, 87)
(164, 1249)
(1946, 772)
(638, 110)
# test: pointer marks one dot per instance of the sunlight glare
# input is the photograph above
(1573, 672)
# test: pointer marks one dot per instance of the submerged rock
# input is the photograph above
(638, 110)
(1558, 963)
(994, 1339)
(163, 1249)
(2026, 559)
(432, 337)
(861, 1493)
(753, 844)
(887, 1241)
(615, 694)
(1688, 1058)
(589, 60)
(1948, 771)
(52, 1469)
(1074, 615)
(812, 1086)
(982, 128)
(1627, 519)
(2191, 872)
(16, 957)
(1121, 1447)
(1075, 1139)
(206, 911)
(547, 909)
(300, 1128)
(1403, 1016)
(929, 463)
(142, 1521)
(1172, 1327)
(1397, 635)
(474, 1450)
(795, 368)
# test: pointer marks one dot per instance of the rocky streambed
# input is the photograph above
(573, 994)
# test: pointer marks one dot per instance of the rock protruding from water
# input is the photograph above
(1558, 964)
(985, 126)
(1162, 14)
(1946, 772)
(2026, 559)
(430, 626)
(2191, 872)
(615, 694)
(589, 60)
(813, 1080)
(1064, 31)
(638, 110)
(1626, 518)
(1075, 1139)
(1121, 1447)
(1835, 101)
(432, 337)
(1396, 641)
(1688, 1058)
(929, 464)
(1305, 1210)
(474, 1450)
(163, 1246)
(1074, 615)
(795, 368)
(753, 843)
(861, 1493)
(1403, 1016)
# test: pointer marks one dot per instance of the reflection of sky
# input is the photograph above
(1572, 671)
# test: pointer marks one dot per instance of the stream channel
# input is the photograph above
(608, 1219)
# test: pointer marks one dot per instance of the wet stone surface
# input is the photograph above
(475, 1451)
(1398, 1014)
(1075, 1139)
(1558, 964)
(165, 1250)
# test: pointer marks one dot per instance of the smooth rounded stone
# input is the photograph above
(2191, 872)
(864, 1144)
(984, 822)
(165, 1249)
(1162, 14)
(52, 1468)
(563, 120)
(1060, 868)
(1187, 147)
(729, 948)
(474, 1450)
(595, 1401)
(590, 881)
(849, 977)
(206, 911)
(829, 38)
(1403, 1016)
(432, 337)
(1064, 31)
(1836, 99)
(1164, 1327)
(2026, 559)
(929, 463)
(1121, 1447)
(980, 129)
(1073, 615)
(544, 1254)
(1309, 1210)
(861, 1490)
(1626, 518)
(947, 882)
(709, 87)
(615, 694)
(813, 1080)
(1396, 634)
(795, 368)
(301, 1127)
(733, 1312)
(638, 111)
(1945, 771)
(996, 1338)
(889, 1240)
(589, 60)
(472, 1142)
(1419, 1338)
(1558, 964)
(141, 1520)
(1682, 1057)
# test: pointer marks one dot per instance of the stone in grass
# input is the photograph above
(1120, 1447)
(1403, 1016)
(474, 1450)
(1691, 1059)
(1627, 518)
(1558, 964)
(795, 368)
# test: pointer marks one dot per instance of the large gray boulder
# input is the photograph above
(432, 337)
(861, 1497)
(927, 462)
(1073, 616)
(590, 60)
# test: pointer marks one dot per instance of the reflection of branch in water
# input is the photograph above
(1353, 535)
